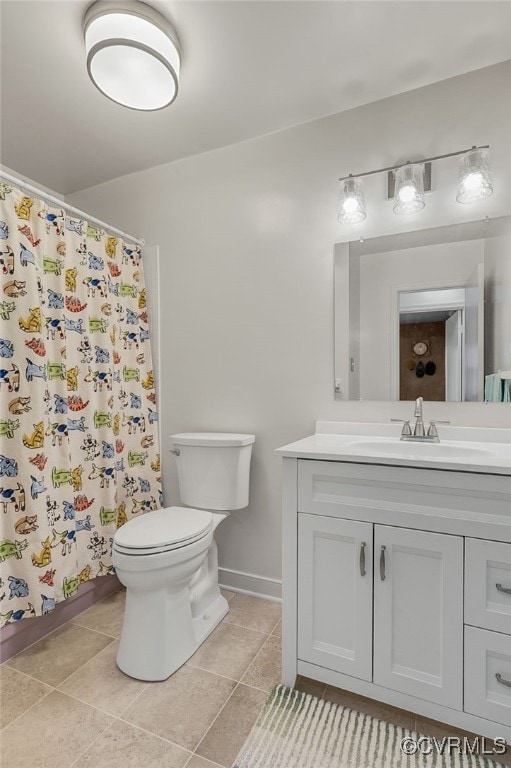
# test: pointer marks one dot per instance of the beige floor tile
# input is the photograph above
(306, 685)
(265, 671)
(278, 630)
(253, 613)
(52, 733)
(106, 616)
(200, 762)
(17, 694)
(101, 683)
(227, 594)
(229, 650)
(371, 707)
(124, 746)
(440, 730)
(182, 708)
(58, 655)
(434, 728)
(228, 733)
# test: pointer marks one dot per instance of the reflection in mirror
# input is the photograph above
(429, 315)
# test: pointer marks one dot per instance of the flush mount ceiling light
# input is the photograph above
(133, 54)
(474, 176)
(407, 184)
(352, 207)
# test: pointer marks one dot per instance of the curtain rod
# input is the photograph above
(69, 208)
(414, 162)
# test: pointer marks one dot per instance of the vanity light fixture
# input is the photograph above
(474, 176)
(409, 181)
(352, 206)
(133, 54)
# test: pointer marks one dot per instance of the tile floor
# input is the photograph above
(64, 703)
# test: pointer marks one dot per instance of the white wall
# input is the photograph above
(246, 237)
(382, 275)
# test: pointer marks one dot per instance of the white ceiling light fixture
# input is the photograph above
(133, 54)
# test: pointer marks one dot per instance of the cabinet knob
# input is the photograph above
(363, 559)
(382, 563)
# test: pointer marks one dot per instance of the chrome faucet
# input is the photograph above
(418, 434)
(419, 423)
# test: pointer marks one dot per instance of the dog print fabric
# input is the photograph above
(78, 421)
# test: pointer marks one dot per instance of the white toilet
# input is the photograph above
(167, 559)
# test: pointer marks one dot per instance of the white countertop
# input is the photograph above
(461, 449)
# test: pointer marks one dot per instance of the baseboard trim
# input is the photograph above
(15, 637)
(250, 584)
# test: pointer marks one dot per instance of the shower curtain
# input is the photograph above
(78, 421)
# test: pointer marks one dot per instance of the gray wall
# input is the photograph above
(246, 237)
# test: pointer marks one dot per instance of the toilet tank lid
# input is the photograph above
(214, 439)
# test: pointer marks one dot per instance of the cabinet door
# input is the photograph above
(335, 594)
(418, 614)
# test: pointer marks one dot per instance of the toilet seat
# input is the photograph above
(162, 530)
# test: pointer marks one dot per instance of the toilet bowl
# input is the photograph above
(167, 559)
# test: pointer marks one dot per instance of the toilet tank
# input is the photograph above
(213, 469)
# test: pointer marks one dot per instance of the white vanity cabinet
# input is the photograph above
(396, 586)
(418, 605)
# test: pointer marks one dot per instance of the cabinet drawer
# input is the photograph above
(488, 675)
(488, 585)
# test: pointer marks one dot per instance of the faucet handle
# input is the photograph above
(407, 430)
(432, 431)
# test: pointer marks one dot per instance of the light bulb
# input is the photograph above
(407, 193)
(409, 188)
(350, 205)
(474, 176)
(473, 181)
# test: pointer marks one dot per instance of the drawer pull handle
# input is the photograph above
(505, 590)
(501, 680)
(363, 559)
(382, 563)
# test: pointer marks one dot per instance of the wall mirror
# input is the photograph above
(428, 313)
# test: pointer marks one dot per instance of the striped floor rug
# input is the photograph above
(297, 730)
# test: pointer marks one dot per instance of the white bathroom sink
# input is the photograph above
(462, 449)
(404, 448)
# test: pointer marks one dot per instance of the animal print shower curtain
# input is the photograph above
(78, 421)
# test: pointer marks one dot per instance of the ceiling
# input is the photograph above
(248, 69)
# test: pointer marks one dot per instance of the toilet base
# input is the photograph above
(154, 668)
(204, 625)
(165, 621)
(159, 663)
